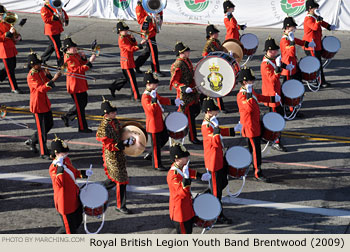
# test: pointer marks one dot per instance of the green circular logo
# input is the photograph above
(293, 7)
(124, 4)
(197, 5)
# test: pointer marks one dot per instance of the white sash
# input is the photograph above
(178, 170)
(70, 173)
(270, 62)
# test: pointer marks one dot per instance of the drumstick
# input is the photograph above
(87, 180)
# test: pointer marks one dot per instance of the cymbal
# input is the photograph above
(140, 140)
(234, 46)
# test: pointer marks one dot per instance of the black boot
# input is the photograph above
(31, 145)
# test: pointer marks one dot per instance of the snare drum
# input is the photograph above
(235, 47)
(207, 208)
(293, 91)
(176, 124)
(238, 159)
(215, 75)
(250, 43)
(94, 198)
(330, 45)
(309, 67)
(274, 123)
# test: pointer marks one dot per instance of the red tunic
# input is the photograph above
(232, 28)
(313, 31)
(37, 82)
(66, 192)
(154, 113)
(51, 27)
(127, 46)
(7, 45)
(213, 148)
(270, 80)
(180, 199)
(288, 53)
(249, 112)
(75, 64)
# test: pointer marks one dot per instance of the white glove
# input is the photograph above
(290, 67)
(279, 61)
(249, 88)
(153, 93)
(312, 44)
(188, 90)
(238, 127)
(333, 27)
(206, 176)
(129, 141)
(291, 36)
(214, 121)
(58, 161)
(277, 98)
(178, 102)
(89, 172)
(186, 170)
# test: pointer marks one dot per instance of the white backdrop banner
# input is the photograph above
(253, 13)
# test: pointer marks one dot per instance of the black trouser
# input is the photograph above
(193, 112)
(184, 227)
(71, 222)
(219, 181)
(10, 66)
(120, 190)
(80, 102)
(255, 149)
(151, 49)
(129, 74)
(158, 140)
(220, 103)
(319, 57)
(297, 76)
(54, 46)
(44, 123)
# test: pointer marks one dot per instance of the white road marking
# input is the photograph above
(228, 200)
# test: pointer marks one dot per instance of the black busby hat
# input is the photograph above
(58, 146)
(2, 9)
(211, 29)
(311, 4)
(107, 107)
(227, 5)
(209, 105)
(150, 78)
(246, 74)
(33, 59)
(270, 44)
(288, 22)
(122, 26)
(177, 150)
(180, 48)
(68, 42)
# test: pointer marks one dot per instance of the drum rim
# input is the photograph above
(241, 148)
(183, 116)
(83, 191)
(293, 82)
(277, 116)
(211, 196)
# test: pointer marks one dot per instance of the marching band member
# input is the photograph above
(313, 32)
(231, 25)
(40, 82)
(271, 68)
(109, 133)
(213, 45)
(179, 181)
(65, 188)
(288, 50)
(77, 87)
(182, 75)
(152, 105)
(8, 52)
(148, 26)
(54, 21)
(214, 151)
(249, 111)
(128, 45)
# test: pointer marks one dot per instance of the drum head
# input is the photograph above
(93, 195)
(207, 206)
(274, 122)
(215, 75)
(293, 89)
(234, 46)
(309, 64)
(249, 41)
(238, 157)
(331, 44)
(176, 122)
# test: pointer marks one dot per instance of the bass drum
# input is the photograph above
(215, 75)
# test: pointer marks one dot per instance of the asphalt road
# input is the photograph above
(309, 192)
